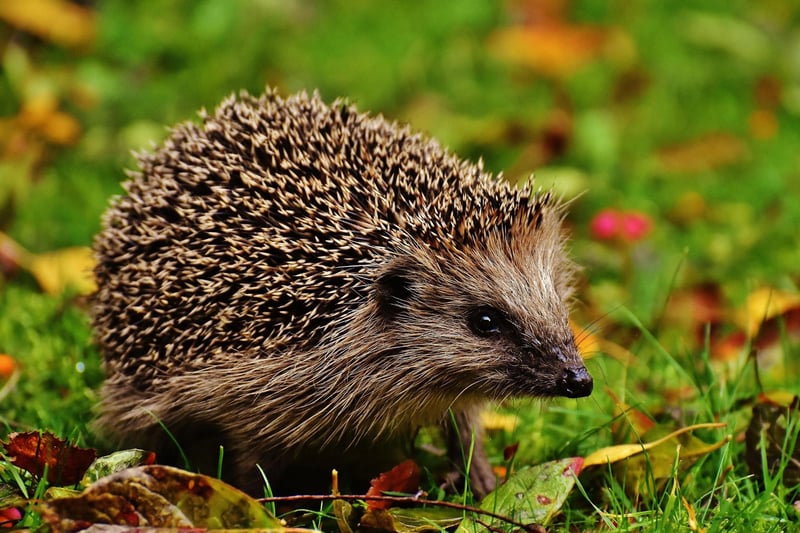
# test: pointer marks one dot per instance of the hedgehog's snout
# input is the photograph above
(575, 382)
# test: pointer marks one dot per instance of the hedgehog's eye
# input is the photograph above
(486, 321)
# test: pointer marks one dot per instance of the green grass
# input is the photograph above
(60, 370)
(671, 73)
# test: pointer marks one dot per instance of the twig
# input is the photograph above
(400, 499)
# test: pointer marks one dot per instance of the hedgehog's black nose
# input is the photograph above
(575, 383)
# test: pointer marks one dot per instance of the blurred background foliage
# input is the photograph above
(683, 116)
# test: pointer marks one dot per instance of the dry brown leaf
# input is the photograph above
(158, 497)
(766, 440)
(709, 152)
(696, 306)
(59, 21)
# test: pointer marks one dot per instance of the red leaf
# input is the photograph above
(510, 451)
(8, 517)
(402, 478)
(33, 451)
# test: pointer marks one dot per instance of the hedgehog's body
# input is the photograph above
(303, 282)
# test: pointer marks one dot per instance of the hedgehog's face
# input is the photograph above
(485, 323)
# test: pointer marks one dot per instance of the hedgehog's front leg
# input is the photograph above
(464, 435)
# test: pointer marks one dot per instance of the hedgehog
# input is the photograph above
(307, 286)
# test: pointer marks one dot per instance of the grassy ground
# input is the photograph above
(682, 116)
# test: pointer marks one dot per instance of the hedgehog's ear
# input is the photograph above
(393, 287)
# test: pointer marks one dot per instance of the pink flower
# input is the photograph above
(635, 226)
(627, 226)
(606, 224)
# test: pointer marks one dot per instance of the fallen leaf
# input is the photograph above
(494, 421)
(346, 520)
(761, 305)
(766, 443)
(688, 208)
(659, 463)
(705, 153)
(618, 452)
(531, 495)
(694, 307)
(40, 114)
(55, 271)
(11, 496)
(404, 477)
(68, 267)
(727, 346)
(509, 452)
(61, 128)
(551, 49)
(157, 496)
(116, 462)
(10, 516)
(36, 452)
(417, 520)
(62, 22)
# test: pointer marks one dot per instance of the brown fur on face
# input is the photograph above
(309, 285)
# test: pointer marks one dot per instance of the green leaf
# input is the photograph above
(116, 462)
(531, 496)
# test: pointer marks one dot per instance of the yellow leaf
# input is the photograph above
(40, 113)
(612, 454)
(37, 109)
(68, 267)
(61, 128)
(59, 21)
(778, 397)
(493, 421)
(763, 304)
